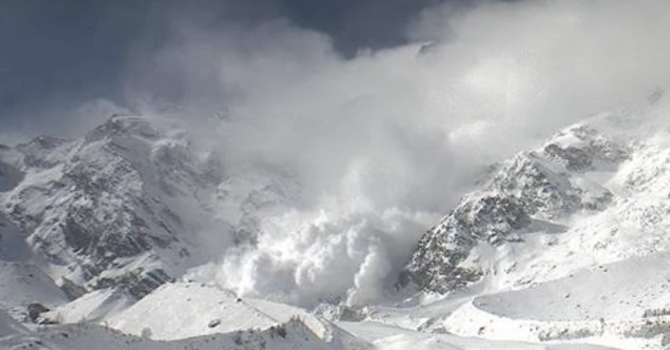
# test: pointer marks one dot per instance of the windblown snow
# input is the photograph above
(143, 234)
(563, 247)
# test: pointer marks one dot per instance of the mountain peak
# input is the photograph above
(108, 206)
(120, 125)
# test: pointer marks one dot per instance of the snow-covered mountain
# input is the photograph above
(556, 248)
(533, 191)
(568, 241)
(118, 207)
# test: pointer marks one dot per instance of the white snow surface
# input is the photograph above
(177, 311)
(587, 279)
(95, 306)
(293, 336)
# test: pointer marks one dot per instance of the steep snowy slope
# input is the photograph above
(119, 207)
(183, 310)
(567, 242)
(95, 306)
(592, 194)
(177, 311)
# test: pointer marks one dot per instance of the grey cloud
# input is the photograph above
(59, 54)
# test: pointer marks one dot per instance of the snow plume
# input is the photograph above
(380, 145)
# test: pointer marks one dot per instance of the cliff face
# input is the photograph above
(107, 209)
(548, 184)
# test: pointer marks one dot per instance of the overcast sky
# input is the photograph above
(57, 54)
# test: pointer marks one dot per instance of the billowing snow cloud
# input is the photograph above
(383, 144)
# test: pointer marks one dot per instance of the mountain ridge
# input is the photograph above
(531, 191)
(102, 208)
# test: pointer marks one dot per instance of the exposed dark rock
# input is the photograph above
(119, 125)
(544, 185)
(436, 263)
(136, 283)
(71, 290)
(112, 201)
(35, 310)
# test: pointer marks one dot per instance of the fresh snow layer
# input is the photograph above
(388, 337)
(618, 291)
(290, 336)
(183, 310)
(96, 306)
(177, 311)
(623, 304)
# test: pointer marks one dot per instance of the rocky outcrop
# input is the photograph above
(106, 207)
(436, 264)
(547, 184)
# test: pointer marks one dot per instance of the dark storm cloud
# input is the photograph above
(355, 24)
(58, 54)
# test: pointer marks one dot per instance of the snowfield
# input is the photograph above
(293, 335)
(386, 337)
